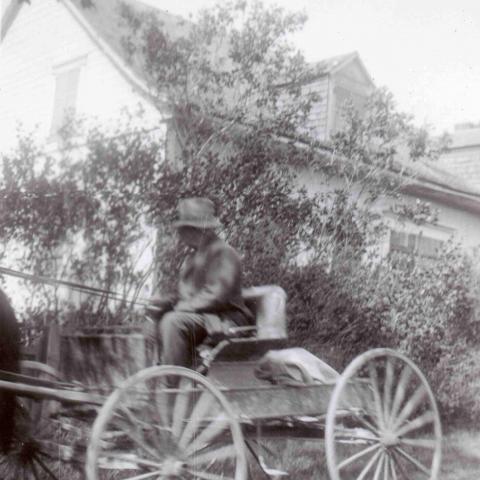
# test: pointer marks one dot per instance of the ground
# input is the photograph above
(461, 458)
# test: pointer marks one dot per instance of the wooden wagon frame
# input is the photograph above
(379, 418)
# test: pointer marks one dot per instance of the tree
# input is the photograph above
(233, 86)
(234, 125)
(79, 217)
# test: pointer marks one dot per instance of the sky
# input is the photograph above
(426, 52)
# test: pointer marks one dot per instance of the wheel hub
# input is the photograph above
(172, 468)
(389, 439)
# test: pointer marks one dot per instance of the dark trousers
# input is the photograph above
(182, 333)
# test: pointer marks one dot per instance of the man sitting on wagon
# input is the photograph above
(209, 288)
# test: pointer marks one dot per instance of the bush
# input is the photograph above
(425, 310)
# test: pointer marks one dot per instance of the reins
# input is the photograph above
(78, 287)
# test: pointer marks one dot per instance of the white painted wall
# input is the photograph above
(44, 37)
(462, 225)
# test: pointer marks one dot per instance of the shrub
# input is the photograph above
(425, 310)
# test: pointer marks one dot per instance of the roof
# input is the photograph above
(431, 173)
(430, 181)
(332, 65)
(107, 21)
(328, 65)
(9, 14)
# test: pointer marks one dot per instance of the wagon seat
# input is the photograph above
(268, 304)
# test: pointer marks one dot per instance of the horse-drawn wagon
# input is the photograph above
(378, 418)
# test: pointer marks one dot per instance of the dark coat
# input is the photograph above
(211, 282)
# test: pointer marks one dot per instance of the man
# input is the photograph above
(209, 289)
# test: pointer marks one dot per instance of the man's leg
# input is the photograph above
(181, 333)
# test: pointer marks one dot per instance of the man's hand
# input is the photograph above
(183, 306)
(158, 307)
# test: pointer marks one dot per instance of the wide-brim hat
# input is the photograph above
(196, 212)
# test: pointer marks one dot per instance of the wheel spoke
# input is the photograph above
(180, 408)
(388, 390)
(358, 455)
(369, 465)
(34, 469)
(386, 470)
(378, 470)
(156, 422)
(376, 394)
(401, 391)
(347, 433)
(390, 468)
(410, 407)
(212, 430)
(420, 442)
(132, 458)
(413, 460)
(222, 453)
(419, 422)
(131, 430)
(143, 476)
(45, 468)
(366, 423)
(162, 404)
(207, 475)
(396, 461)
(198, 414)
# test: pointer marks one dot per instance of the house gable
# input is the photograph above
(337, 80)
(45, 36)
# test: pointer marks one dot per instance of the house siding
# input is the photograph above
(318, 120)
(43, 37)
(349, 85)
(460, 224)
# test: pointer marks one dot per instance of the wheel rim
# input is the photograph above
(34, 453)
(383, 421)
(166, 422)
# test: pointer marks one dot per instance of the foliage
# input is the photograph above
(78, 216)
(231, 124)
(426, 309)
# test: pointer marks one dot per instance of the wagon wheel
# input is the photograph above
(383, 421)
(166, 422)
(35, 451)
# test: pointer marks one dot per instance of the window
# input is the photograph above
(67, 77)
(344, 97)
(415, 243)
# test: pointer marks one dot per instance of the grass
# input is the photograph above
(461, 456)
(306, 459)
